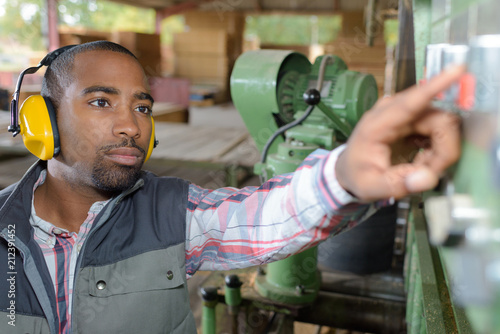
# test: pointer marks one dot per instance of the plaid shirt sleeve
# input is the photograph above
(231, 228)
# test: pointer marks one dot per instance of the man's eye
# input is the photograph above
(144, 109)
(101, 103)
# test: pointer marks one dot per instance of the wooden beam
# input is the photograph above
(290, 12)
(53, 35)
(162, 14)
(258, 5)
(336, 5)
(371, 22)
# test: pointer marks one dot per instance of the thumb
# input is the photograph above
(421, 179)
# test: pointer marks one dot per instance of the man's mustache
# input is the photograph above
(125, 143)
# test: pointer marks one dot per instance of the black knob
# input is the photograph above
(312, 96)
(209, 293)
(233, 281)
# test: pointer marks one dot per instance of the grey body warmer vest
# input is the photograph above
(130, 276)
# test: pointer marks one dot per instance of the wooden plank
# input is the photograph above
(161, 108)
(244, 154)
(195, 143)
(13, 170)
(9, 144)
(170, 112)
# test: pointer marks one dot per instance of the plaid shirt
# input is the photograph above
(60, 249)
(227, 228)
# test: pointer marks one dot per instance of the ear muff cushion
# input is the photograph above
(152, 140)
(53, 122)
(38, 127)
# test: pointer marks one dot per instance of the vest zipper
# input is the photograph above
(109, 208)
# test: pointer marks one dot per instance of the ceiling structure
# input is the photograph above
(260, 5)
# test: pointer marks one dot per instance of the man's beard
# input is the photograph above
(115, 178)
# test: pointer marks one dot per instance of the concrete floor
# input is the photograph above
(221, 115)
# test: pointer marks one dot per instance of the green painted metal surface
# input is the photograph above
(449, 21)
(316, 135)
(422, 17)
(253, 89)
(294, 280)
(232, 296)
(430, 308)
(267, 88)
(208, 317)
(469, 263)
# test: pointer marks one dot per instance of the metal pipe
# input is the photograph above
(380, 286)
(355, 313)
(210, 298)
(232, 298)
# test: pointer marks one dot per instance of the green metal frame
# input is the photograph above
(430, 308)
(430, 25)
(433, 272)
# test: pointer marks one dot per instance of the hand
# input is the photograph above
(402, 145)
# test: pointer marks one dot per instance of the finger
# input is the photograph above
(393, 119)
(397, 181)
(421, 179)
(443, 131)
(418, 97)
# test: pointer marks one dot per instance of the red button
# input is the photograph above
(467, 92)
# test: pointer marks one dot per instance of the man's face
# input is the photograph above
(104, 120)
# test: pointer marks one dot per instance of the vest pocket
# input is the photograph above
(143, 294)
(146, 272)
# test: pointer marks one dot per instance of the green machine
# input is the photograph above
(453, 244)
(291, 108)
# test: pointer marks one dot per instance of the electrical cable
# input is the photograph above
(321, 76)
(281, 130)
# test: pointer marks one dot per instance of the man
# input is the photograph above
(103, 247)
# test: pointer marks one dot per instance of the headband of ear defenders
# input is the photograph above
(14, 126)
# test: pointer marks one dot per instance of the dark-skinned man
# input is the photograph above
(104, 247)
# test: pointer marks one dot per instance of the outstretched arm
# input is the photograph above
(402, 144)
(233, 228)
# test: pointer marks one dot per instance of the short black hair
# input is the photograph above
(59, 73)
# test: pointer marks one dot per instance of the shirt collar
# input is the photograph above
(45, 230)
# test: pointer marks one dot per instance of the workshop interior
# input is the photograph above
(237, 110)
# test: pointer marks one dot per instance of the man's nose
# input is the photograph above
(126, 124)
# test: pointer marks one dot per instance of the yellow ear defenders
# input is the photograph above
(153, 142)
(38, 127)
(36, 121)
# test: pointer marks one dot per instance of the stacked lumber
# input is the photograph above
(205, 54)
